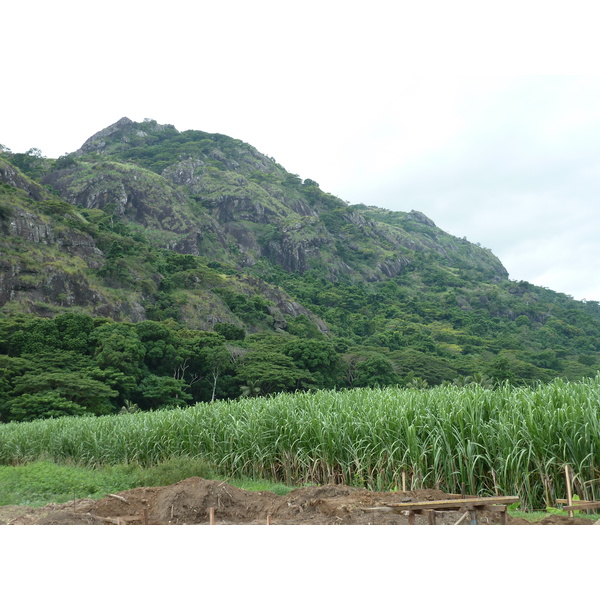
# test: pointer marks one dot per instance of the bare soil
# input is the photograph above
(189, 502)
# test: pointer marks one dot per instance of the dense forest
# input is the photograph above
(154, 268)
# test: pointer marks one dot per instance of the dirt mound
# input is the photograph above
(563, 520)
(190, 501)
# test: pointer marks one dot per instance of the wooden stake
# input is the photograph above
(211, 515)
(495, 483)
(403, 481)
(462, 518)
(269, 520)
(569, 496)
(118, 498)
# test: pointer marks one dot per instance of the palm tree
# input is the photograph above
(129, 407)
(252, 388)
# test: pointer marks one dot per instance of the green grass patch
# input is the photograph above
(40, 483)
(260, 485)
(538, 515)
(44, 482)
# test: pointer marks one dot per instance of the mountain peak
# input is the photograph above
(98, 140)
(416, 215)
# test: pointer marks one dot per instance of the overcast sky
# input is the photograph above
(485, 116)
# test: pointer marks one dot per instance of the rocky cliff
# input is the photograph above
(198, 194)
(214, 196)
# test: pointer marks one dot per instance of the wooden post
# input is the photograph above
(569, 496)
(503, 516)
(473, 514)
(495, 483)
(211, 515)
(404, 481)
(269, 520)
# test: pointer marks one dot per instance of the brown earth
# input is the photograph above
(189, 502)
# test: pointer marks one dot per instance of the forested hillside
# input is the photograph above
(154, 268)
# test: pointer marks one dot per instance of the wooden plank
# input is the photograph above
(461, 496)
(576, 502)
(582, 506)
(453, 503)
(501, 508)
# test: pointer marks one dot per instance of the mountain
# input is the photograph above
(201, 231)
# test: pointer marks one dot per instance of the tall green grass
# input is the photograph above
(507, 441)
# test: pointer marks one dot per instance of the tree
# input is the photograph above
(318, 357)
(433, 369)
(162, 354)
(217, 359)
(74, 331)
(499, 370)
(64, 162)
(302, 326)
(230, 331)
(92, 395)
(45, 405)
(417, 383)
(119, 347)
(376, 371)
(10, 368)
(163, 392)
(39, 335)
(252, 388)
(32, 162)
(271, 371)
